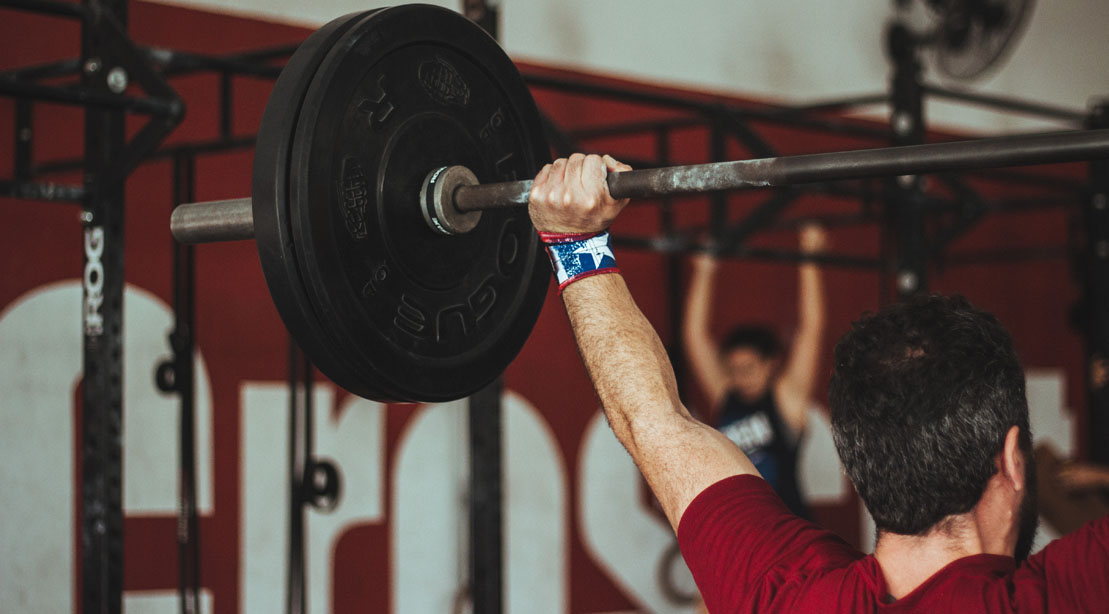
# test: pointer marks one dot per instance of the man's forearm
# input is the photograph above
(622, 353)
(631, 372)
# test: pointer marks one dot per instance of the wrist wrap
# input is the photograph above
(580, 255)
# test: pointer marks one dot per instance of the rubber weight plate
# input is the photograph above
(409, 312)
(272, 227)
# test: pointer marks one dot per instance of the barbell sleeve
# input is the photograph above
(212, 221)
(1021, 150)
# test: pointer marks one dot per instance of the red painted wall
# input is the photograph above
(243, 339)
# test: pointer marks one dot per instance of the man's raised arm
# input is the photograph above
(627, 363)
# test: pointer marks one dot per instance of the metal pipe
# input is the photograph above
(1003, 103)
(47, 7)
(87, 97)
(233, 219)
(217, 220)
(49, 70)
(769, 172)
(770, 115)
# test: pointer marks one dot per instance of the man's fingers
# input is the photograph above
(539, 186)
(556, 183)
(593, 173)
(615, 166)
(558, 170)
(574, 182)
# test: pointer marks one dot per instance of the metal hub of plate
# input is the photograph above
(384, 305)
(437, 201)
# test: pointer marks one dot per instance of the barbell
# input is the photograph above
(389, 179)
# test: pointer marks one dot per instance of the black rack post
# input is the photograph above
(675, 306)
(485, 437)
(182, 340)
(1095, 214)
(486, 501)
(484, 14)
(904, 202)
(300, 453)
(102, 313)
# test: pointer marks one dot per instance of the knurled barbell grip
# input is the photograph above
(995, 152)
(212, 221)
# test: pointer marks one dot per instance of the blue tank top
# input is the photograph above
(757, 428)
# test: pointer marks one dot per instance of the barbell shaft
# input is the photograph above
(229, 220)
(996, 152)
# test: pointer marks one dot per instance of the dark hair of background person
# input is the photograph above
(762, 339)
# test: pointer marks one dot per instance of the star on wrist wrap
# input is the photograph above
(577, 256)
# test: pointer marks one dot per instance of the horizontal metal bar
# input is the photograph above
(212, 221)
(85, 97)
(266, 53)
(177, 63)
(826, 259)
(1030, 203)
(639, 127)
(679, 245)
(230, 220)
(31, 190)
(1002, 256)
(773, 115)
(48, 70)
(770, 172)
(1023, 178)
(60, 9)
(1007, 104)
(838, 105)
(825, 220)
(195, 148)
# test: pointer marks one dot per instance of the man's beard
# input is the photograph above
(1029, 517)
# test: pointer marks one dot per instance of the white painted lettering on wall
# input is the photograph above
(40, 367)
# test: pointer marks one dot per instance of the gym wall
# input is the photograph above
(582, 533)
(783, 51)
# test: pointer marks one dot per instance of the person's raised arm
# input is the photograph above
(626, 361)
(795, 386)
(1077, 476)
(700, 348)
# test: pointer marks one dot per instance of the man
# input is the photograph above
(929, 417)
(761, 408)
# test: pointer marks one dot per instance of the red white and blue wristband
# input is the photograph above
(576, 256)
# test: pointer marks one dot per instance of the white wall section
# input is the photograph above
(786, 51)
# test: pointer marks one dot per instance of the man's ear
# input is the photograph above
(1011, 461)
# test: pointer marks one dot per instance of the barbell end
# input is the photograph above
(437, 200)
(213, 221)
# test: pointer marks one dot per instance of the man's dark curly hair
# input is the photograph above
(922, 395)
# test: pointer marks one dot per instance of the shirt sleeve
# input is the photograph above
(739, 540)
(1072, 571)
